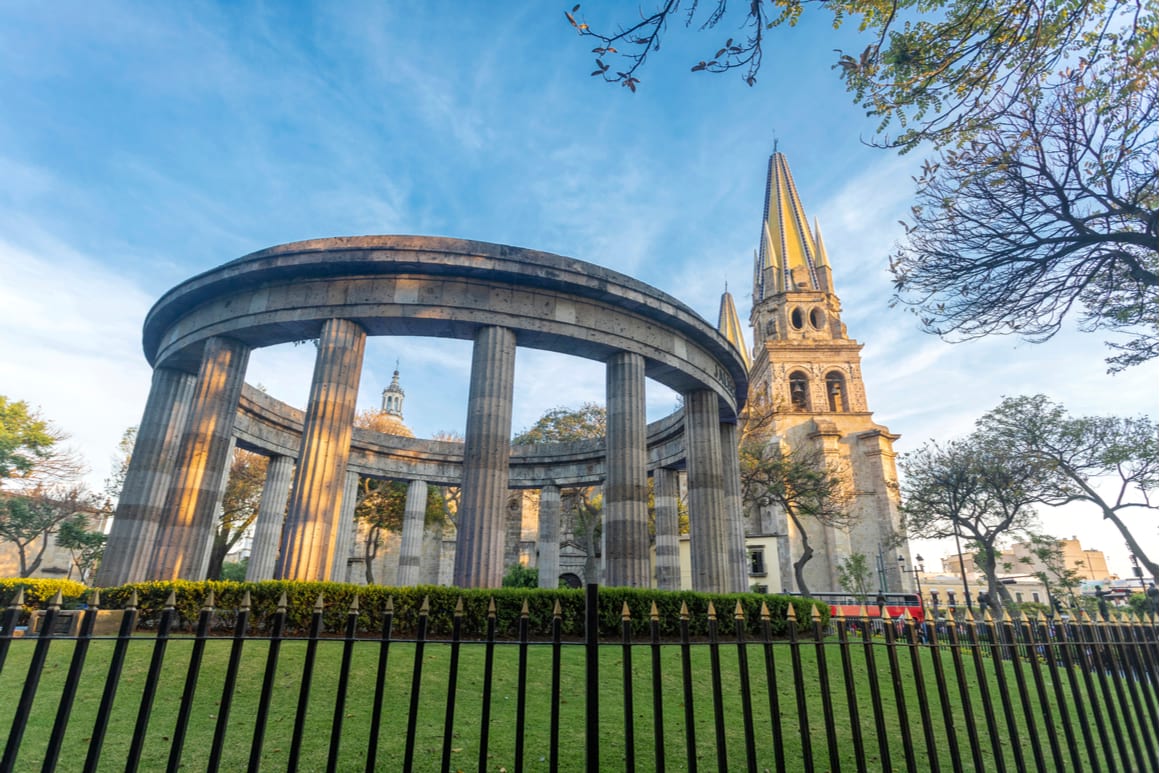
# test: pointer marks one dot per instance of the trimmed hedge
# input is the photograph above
(372, 599)
(39, 591)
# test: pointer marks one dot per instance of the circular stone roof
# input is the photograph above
(447, 288)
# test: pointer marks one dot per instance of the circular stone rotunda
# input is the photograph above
(199, 335)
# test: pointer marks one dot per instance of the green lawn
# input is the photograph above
(465, 742)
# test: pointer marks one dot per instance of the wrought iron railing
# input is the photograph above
(858, 694)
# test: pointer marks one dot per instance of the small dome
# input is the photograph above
(386, 423)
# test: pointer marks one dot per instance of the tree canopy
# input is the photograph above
(1107, 461)
(1042, 200)
(1048, 210)
(28, 519)
(239, 508)
(931, 71)
(562, 425)
(30, 448)
(973, 487)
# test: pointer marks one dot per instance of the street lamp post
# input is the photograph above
(962, 568)
(915, 570)
(1136, 570)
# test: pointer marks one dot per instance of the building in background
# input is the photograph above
(1021, 558)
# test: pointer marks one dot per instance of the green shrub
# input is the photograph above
(39, 591)
(190, 597)
(235, 571)
(520, 576)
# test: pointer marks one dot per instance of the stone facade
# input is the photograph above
(807, 371)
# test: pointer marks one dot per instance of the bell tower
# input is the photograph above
(807, 371)
(393, 397)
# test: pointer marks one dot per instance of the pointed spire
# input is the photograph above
(729, 325)
(788, 251)
(823, 256)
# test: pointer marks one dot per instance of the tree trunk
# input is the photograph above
(217, 556)
(370, 552)
(799, 566)
(26, 568)
(996, 593)
(1152, 567)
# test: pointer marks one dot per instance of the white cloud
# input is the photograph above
(70, 334)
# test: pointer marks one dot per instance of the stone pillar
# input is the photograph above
(308, 540)
(142, 499)
(202, 563)
(737, 567)
(626, 483)
(344, 532)
(486, 450)
(414, 516)
(268, 523)
(708, 533)
(667, 529)
(202, 463)
(548, 540)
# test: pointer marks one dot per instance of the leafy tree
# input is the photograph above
(116, 480)
(800, 481)
(1143, 605)
(234, 571)
(85, 545)
(854, 576)
(1108, 461)
(586, 504)
(520, 576)
(28, 520)
(1059, 579)
(243, 496)
(974, 487)
(931, 70)
(562, 425)
(380, 508)
(1048, 210)
(31, 451)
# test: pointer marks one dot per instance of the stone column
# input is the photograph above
(142, 499)
(667, 529)
(308, 540)
(268, 523)
(412, 545)
(344, 532)
(486, 450)
(737, 567)
(709, 536)
(202, 462)
(626, 482)
(548, 540)
(202, 561)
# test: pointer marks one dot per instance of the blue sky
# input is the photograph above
(143, 143)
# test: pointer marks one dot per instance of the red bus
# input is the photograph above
(850, 606)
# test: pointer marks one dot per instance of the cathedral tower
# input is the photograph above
(807, 372)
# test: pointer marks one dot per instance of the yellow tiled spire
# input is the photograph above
(789, 255)
(729, 325)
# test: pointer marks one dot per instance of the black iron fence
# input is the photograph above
(954, 695)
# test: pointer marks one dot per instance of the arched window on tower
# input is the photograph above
(836, 392)
(799, 391)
